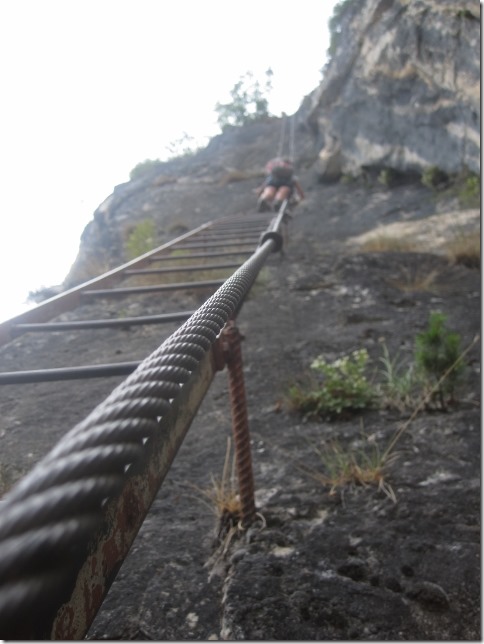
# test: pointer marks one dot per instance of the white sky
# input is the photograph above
(92, 87)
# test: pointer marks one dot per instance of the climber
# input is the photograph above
(279, 185)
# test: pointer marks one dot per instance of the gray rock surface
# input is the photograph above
(350, 565)
(403, 89)
(402, 92)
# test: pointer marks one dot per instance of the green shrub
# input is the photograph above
(433, 177)
(249, 102)
(347, 178)
(344, 387)
(469, 192)
(388, 177)
(437, 353)
(141, 239)
(466, 14)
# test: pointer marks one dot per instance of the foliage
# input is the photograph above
(353, 466)
(433, 177)
(144, 167)
(400, 382)
(437, 351)
(141, 239)
(467, 14)
(347, 178)
(470, 191)
(344, 387)
(464, 185)
(388, 177)
(249, 101)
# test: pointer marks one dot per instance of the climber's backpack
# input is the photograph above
(280, 168)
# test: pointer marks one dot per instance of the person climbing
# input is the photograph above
(279, 185)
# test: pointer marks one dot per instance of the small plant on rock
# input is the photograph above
(400, 382)
(434, 178)
(470, 191)
(223, 495)
(387, 177)
(357, 465)
(437, 351)
(344, 387)
(141, 239)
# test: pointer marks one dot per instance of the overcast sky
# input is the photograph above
(92, 87)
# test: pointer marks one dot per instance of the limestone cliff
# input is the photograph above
(401, 91)
(403, 88)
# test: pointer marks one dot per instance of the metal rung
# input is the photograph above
(162, 258)
(155, 288)
(228, 235)
(18, 329)
(68, 373)
(179, 269)
(223, 244)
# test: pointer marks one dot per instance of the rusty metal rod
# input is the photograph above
(240, 425)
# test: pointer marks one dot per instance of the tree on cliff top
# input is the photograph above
(249, 101)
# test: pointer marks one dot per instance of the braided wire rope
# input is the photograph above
(48, 518)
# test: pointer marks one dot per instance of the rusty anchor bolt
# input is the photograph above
(231, 342)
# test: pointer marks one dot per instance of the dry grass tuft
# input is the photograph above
(465, 249)
(386, 243)
(223, 498)
(415, 280)
(363, 467)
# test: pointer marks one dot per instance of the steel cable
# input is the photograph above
(54, 510)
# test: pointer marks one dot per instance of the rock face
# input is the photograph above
(174, 196)
(402, 91)
(348, 565)
(324, 563)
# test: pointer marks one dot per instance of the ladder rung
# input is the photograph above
(101, 324)
(155, 288)
(67, 373)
